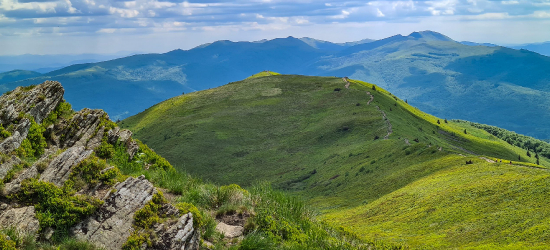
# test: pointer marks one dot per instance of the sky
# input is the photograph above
(109, 26)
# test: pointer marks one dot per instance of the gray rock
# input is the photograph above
(59, 170)
(80, 130)
(178, 235)
(8, 165)
(131, 148)
(125, 135)
(229, 231)
(15, 185)
(38, 102)
(23, 219)
(14, 141)
(113, 135)
(111, 225)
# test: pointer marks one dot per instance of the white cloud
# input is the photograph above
(509, 2)
(379, 13)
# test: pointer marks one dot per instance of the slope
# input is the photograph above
(322, 141)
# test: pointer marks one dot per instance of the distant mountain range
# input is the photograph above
(47, 63)
(487, 84)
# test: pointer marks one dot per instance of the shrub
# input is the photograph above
(185, 207)
(55, 207)
(148, 215)
(135, 241)
(4, 133)
(105, 150)
(6, 243)
(62, 110)
(88, 171)
(35, 143)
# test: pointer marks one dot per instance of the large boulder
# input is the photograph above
(111, 225)
(82, 130)
(59, 170)
(178, 234)
(38, 102)
(14, 141)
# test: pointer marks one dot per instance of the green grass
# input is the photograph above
(480, 206)
(314, 138)
(263, 73)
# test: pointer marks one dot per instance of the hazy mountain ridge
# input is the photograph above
(433, 72)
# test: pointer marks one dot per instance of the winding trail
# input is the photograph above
(345, 79)
(390, 131)
(388, 124)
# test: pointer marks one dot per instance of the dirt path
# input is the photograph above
(487, 159)
(345, 79)
(390, 130)
(371, 98)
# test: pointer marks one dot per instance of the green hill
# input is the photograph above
(316, 138)
(16, 75)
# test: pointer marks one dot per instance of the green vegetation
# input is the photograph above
(482, 205)
(33, 146)
(529, 143)
(299, 134)
(264, 73)
(29, 242)
(6, 243)
(63, 110)
(56, 207)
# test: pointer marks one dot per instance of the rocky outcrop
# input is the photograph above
(176, 235)
(111, 225)
(14, 141)
(124, 136)
(6, 166)
(38, 102)
(59, 170)
(81, 130)
(22, 219)
(15, 185)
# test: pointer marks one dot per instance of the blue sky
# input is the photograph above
(108, 26)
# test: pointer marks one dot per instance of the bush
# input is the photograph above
(35, 143)
(4, 133)
(135, 241)
(63, 110)
(148, 215)
(89, 171)
(55, 207)
(105, 150)
(185, 207)
(6, 244)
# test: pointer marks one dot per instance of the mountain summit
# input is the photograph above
(428, 35)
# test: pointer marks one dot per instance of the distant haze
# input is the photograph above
(109, 26)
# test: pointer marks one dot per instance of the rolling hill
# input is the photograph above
(493, 85)
(368, 160)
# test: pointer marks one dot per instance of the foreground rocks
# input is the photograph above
(71, 141)
(22, 219)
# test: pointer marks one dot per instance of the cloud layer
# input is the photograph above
(22, 19)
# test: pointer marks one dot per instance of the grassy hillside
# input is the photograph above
(314, 137)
